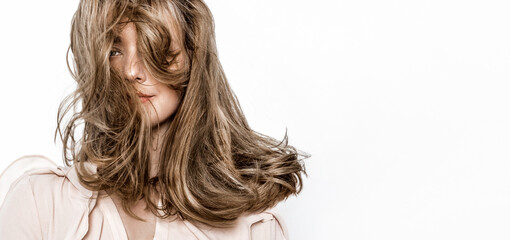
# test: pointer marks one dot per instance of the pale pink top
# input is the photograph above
(50, 203)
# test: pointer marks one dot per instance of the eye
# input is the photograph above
(114, 53)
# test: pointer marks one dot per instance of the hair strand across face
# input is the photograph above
(212, 167)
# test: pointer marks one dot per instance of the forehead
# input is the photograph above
(121, 26)
(127, 26)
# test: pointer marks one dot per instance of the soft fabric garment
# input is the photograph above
(50, 203)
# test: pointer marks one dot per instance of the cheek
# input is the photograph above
(165, 104)
(170, 101)
(115, 64)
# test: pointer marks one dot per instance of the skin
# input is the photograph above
(163, 101)
(161, 104)
(125, 58)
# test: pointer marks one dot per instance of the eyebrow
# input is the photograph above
(117, 39)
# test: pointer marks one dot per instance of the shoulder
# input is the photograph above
(270, 223)
(43, 176)
(50, 188)
(26, 173)
(49, 200)
(267, 225)
(55, 183)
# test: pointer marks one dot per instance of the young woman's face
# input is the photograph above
(160, 100)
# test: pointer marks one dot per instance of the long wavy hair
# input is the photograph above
(212, 167)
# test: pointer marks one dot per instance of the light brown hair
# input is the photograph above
(213, 167)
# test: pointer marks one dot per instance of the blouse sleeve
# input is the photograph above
(271, 227)
(18, 214)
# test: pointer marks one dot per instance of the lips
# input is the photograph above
(144, 97)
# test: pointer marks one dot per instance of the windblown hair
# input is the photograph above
(212, 167)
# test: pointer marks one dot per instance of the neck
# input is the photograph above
(158, 133)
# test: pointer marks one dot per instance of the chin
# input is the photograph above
(156, 122)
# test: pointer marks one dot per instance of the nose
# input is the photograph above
(134, 69)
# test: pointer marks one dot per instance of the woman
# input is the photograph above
(164, 150)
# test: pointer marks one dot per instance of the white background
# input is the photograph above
(404, 105)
